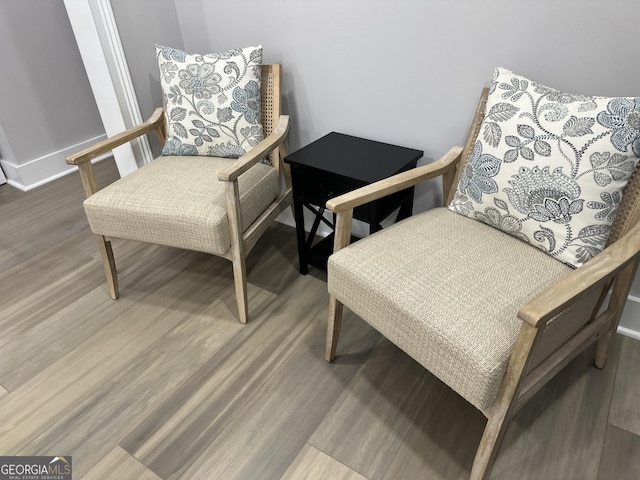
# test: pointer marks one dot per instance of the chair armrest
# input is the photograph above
(599, 270)
(257, 153)
(395, 183)
(154, 122)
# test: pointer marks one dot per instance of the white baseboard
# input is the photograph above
(630, 321)
(39, 171)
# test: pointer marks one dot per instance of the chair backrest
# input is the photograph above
(627, 214)
(271, 94)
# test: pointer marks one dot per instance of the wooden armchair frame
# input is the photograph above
(612, 270)
(276, 128)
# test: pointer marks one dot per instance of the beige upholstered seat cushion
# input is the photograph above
(179, 201)
(446, 289)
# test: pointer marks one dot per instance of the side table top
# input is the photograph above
(354, 157)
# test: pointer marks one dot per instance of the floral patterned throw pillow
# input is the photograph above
(212, 101)
(549, 167)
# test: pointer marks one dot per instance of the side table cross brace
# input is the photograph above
(336, 164)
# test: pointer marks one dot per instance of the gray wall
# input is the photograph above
(143, 23)
(409, 72)
(46, 102)
(405, 71)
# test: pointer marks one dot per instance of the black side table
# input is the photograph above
(336, 164)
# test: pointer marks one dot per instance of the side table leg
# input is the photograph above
(374, 215)
(406, 209)
(302, 244)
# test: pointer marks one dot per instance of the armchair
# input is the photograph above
(214, 205)
(488, 314)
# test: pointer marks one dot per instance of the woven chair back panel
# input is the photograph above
(269, 116)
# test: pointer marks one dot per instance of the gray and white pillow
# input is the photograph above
(212, 101)
(550, 167)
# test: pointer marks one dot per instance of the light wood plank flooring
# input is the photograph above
(165, 383)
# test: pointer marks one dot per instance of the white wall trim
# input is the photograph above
(41, 170)
(630, 321)
(634, 298)
(6, 154)
(99, 43)
(628, 332)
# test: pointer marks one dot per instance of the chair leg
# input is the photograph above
(238, 252)
(240, 281)
(602, 350)
(502, 409)
(333, 328)
(489, 445)
(109, 265)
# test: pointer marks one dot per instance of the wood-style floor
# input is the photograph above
(165, 383)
